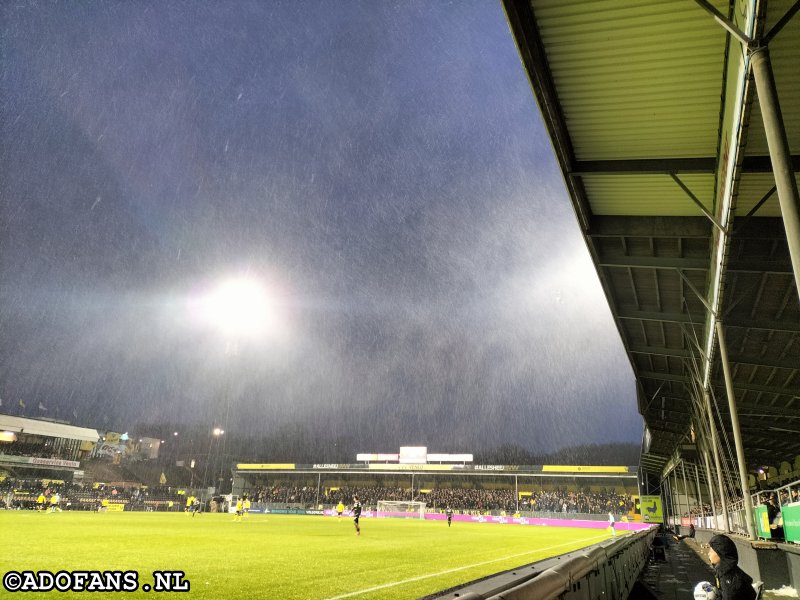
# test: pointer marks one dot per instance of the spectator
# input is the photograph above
(734, 583)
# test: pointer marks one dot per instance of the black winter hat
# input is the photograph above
(724, 546)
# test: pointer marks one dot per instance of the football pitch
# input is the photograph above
(275, 556)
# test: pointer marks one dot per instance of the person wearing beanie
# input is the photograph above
(734, 583)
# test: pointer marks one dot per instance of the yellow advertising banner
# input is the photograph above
(265, 466)
(582, 469)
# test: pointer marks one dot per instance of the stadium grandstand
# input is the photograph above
(86, 468)
(440, 481)
(676, 126)
(38, 447)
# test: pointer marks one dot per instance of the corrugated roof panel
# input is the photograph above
(647, 195)
(644, 84)
(645, 79)
(752, 188)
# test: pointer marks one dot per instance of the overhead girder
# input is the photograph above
(652, 262)
(661, 351)
(653, 315)
(622, 261)
(752, 387)
(655, 166)
(745, 323)
(649, 227)
(780, 363)
(689, 319)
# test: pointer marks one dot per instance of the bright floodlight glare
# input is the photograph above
(218, 431)
(238, 307)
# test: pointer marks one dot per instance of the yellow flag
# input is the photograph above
(163, 479)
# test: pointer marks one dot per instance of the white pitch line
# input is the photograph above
(480, 564)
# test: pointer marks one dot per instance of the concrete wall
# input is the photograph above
(607, 570)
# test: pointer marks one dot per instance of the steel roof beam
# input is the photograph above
(685, 318)
(665, 166)
(776, 267)
(754, 387)
(649, 227)
(729, 25)
(702, 207)
(780, 363)
(652, 315)
(780, 24)
(661, 351)
(745, 323)
(653, 262)
(782, 267)
(663, 376)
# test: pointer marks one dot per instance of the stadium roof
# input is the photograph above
(47, 429)
(659, 133)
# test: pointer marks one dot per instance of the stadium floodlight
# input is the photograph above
(238, 307)
(398, 509)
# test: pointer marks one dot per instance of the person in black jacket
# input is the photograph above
(356, 514)
(734, 583)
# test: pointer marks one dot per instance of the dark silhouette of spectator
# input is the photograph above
(734, 583)
(691, 533)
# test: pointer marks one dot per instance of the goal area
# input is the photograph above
(398, 509)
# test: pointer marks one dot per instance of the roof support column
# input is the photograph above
(778, 144)
(667, 494)
(675, 500)
(709, 477)
(686, 491)
(737, 433)
(717, 463)
(699, 495)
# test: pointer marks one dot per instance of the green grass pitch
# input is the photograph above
(276, 556)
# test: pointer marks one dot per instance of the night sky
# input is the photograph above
(381, 167)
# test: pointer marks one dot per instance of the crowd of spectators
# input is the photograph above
(23, 494)
(36, 450)
(462, 499)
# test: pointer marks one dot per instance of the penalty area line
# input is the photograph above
(456, 569)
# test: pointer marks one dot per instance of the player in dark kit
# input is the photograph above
(356, 514)
(449, 513)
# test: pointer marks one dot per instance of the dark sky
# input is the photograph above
(380, 167)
